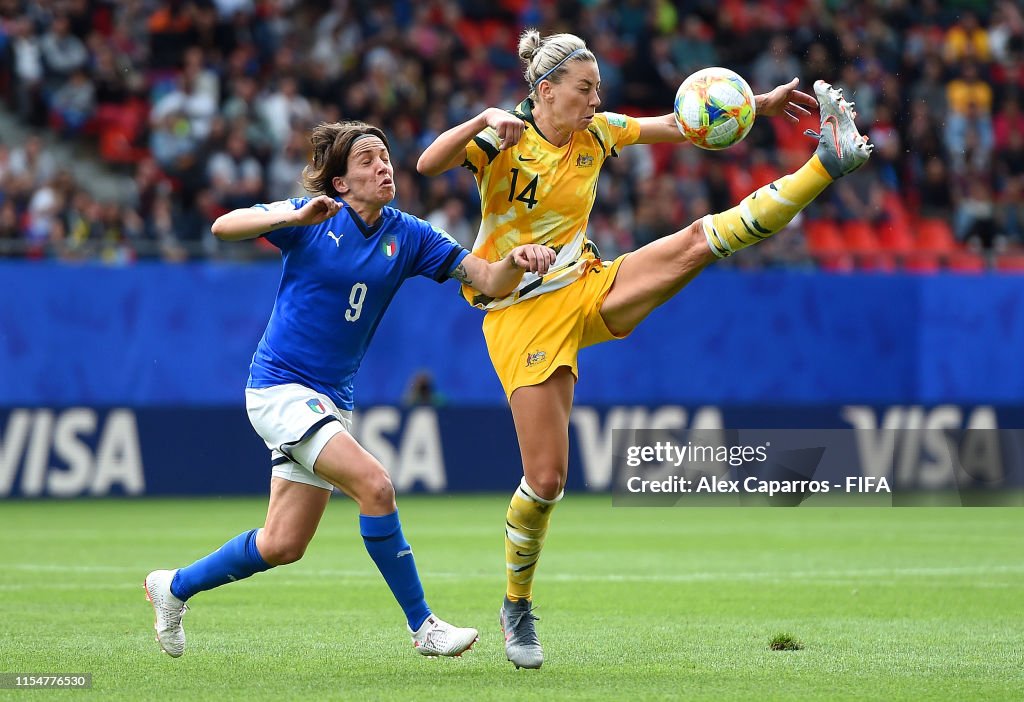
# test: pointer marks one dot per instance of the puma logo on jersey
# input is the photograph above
(337, 239)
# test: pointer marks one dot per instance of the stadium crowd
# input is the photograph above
(207, 105)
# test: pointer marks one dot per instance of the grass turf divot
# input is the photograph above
(785, 642)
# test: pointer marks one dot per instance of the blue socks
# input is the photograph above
(239, 558)
(391, 552)
(235, 560)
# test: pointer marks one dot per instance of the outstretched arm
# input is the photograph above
(784, 100)
(449, 149)
(250, 222)
(500, 278)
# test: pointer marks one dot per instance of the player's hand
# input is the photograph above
(785, 100)
(507, 125)
(319, 209)
(534, 258)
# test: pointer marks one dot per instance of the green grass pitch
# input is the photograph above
(635, 603)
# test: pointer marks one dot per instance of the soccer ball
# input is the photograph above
(714, 108)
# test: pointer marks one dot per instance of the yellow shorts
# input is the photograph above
(530, 340)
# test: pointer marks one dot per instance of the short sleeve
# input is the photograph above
(616, 130)
(282, 237)
(439, 253)
(481, 151)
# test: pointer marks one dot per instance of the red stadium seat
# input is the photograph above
(935, 236)
(896, 210)
(823, 236)
(964, 261)
(876, 262)
(896, 239)
(826, 246)
(920, 262)
(860, 240)
(860, 237)
(120, 128)
(1010, 263)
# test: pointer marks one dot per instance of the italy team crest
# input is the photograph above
(389, 246)
(316, 406)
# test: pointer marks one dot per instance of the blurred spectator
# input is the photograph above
(232, 86)
(284, 109)
(975, 218)
(63, 52)
(1006, 30)
(775, 65)
(692, 49)
(74, 103)
(422, 392)
(192, 108)
(235, 177)
(31, 165)
(966, 40)
(451, 217)
(1007, 122)
(935, 193)
(10, 232)
(969, 139)
(170, 29)
(282, 182)
(1010, 171)
(968, 89)
(930, 88)
(861, 199)
(28, 71)
(244, 104)
(162, 231)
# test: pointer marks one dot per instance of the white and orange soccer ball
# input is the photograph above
(714, 108)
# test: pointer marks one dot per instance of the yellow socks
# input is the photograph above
(766, 210)
(526, 525)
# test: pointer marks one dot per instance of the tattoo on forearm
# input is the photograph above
(275, 225)
(461, 275)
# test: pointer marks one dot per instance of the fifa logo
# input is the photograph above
(534, 358)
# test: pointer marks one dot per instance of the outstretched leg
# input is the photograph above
(651, 275)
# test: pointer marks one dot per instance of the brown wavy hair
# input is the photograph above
(332, 143)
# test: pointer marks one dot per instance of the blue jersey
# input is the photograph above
(338, 278)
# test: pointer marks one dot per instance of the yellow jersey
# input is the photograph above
(539, 193)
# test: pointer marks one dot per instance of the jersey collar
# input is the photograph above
(524, 111)
(366, 230)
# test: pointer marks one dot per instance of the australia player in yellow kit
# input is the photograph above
(536, 168)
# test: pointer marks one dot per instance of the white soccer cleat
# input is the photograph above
(169, 609)
(841, 148)
(439, 638)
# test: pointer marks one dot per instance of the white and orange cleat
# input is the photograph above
(439, 638)
(169, 610)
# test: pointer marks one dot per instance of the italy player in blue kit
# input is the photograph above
(345, 254)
